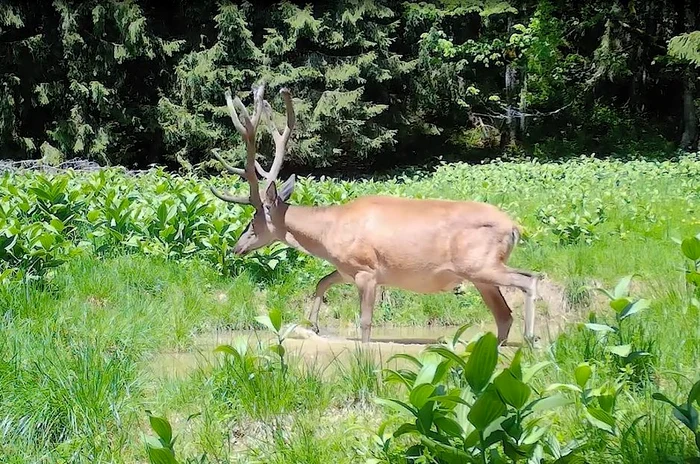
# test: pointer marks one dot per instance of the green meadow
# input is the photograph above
(115, 286)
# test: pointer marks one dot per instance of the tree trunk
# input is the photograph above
(690, 119)
(523, 101)
(510, 134)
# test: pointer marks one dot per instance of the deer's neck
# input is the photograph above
(305, 229)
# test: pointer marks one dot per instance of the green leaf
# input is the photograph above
(448, 399)
(276, 318)
(407, 357)
(634, 308)
(278, 349)
(691, 248)
(607, 402)
(693, 277)
(420, 394)
(57, 224)
(563, 386)
(482, 362)
(404, 429)
(620, 350)
(162, 428)
(289, 329)
(447, 354)
(459, 333)
(551, 402)
(601, 419)
(582, 374)
(637, 354)
(620, 304)
(227, 349)
(427, 371)
(599, 327)
(396, 405)
(486, 409)
(161, 456)
(446, 453)
(529, 372)
(622, 287)
(687, 416)
(424, 419)
(694, 395)
(442, 370)
(449, 426)
(516, 365)
(534, 436)
(46, 240)
(513, 391)
(661, 397)
(265, 320)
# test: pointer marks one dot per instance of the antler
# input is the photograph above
(248, 129)
(280, 139)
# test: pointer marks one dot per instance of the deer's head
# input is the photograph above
(267, 224)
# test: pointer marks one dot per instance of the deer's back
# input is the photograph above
(407, 241)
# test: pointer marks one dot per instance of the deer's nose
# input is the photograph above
(240, 250)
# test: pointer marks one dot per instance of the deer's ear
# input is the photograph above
(287, 188)
(271, 194)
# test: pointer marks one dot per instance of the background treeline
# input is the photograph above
(376, 83)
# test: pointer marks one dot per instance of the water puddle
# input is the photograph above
(332, 345)
(340, 343)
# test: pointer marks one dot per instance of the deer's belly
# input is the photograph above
(421, 282)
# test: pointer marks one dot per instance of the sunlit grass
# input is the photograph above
(79, 351)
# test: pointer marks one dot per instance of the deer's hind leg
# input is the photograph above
(502, 313)
(334, 278)
(504, 276)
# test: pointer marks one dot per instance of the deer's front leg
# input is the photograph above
(321, 288)
(367, 286)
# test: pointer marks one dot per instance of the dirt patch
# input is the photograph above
(340, 343)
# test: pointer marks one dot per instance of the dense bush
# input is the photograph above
(45, 219)
(376, 82)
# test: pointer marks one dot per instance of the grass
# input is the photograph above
(80, 349)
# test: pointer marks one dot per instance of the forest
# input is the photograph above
(134, 328)
(378, 84)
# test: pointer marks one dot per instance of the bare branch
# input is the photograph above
(517, 114)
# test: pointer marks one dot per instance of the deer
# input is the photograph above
(418, 245)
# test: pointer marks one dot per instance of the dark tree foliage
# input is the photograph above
(376, 83)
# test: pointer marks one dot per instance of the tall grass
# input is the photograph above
(80, 347)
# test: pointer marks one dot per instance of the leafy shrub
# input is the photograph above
(463, 410)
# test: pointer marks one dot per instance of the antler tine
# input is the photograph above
(230, 198)
(247, 129)
(233, 105)
(280, 139)
(291, 118)
(234, 170)
(258, 102)
(228, 167)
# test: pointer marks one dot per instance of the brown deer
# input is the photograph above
(424, 246)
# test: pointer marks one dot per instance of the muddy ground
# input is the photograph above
(336, 343)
